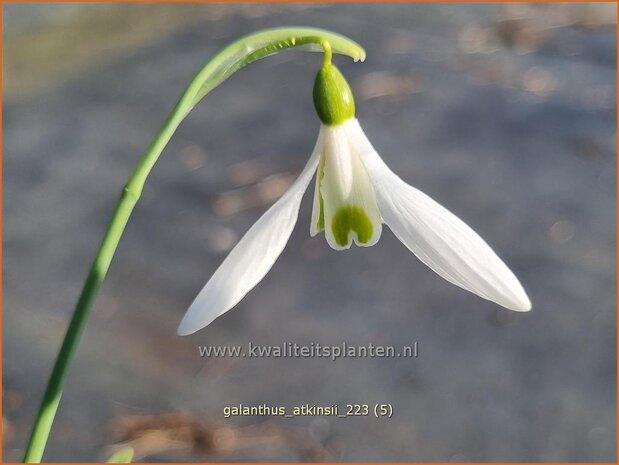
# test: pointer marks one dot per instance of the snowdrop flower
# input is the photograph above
(355, 193)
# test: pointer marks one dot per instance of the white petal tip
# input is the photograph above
(335, 246)
(517, 302)
(194, 321)
(522, 306)
(184, 330)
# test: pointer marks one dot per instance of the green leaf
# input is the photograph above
(123, 455)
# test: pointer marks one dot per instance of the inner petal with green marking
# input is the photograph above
(344, 201)
(350, 218)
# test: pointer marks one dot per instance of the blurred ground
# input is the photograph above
(505, 114)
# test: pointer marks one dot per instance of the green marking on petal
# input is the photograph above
(351, 218)
(321, 217)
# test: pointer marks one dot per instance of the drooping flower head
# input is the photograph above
(355, 194)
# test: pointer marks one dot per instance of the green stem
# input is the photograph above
(328, 55)
(219, 68)
(98, 270)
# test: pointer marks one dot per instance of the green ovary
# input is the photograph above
(351, 218)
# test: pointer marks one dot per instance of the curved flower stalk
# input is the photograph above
(355, 193)
(237, 55)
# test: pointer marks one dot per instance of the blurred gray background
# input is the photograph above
(503, 113)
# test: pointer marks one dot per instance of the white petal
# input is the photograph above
(349, 202)
(251, 258)
(317, 223)
(439, 238)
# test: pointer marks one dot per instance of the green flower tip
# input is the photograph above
(333, 98)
